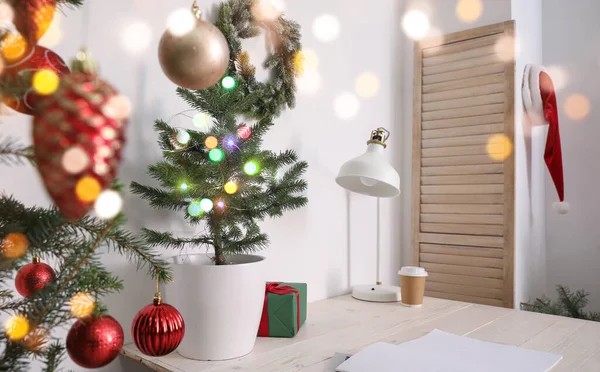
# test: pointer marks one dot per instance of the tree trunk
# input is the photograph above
(219, 256)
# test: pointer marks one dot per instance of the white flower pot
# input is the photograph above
(221, 305)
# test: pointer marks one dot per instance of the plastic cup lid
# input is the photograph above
(412, 271)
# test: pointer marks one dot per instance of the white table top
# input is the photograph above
(346, 325)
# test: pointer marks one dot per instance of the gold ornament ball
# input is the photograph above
(196, 60)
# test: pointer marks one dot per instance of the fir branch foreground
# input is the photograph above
(569, 304)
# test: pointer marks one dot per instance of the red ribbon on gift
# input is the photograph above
(263, 328)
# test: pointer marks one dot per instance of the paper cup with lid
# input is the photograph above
(412, 285)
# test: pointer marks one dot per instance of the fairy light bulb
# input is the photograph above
(194, 209)
(45, 82)
(82, 305)
(230, 143)
(87, 189)
(108, 205)
(14, 245)
(231, 187)
(251, 168)
(211, 142)
(183, 137)
(216, 155)
(206, 205)
(16, 327)
(221, 204)
(228, 83)
(183, 186)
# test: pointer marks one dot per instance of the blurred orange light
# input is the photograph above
(577, 106)
(499, 147)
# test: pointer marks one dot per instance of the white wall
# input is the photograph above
(572, 42)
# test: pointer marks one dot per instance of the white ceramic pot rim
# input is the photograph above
(177, 259)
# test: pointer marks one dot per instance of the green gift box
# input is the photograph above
(284, 310)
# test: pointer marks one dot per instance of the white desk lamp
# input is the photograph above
(370, 174)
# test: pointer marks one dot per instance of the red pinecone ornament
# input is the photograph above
(94, 342)
(77, 141)
(38, 58)
(33, 277)
(33, 18)
(157, 329)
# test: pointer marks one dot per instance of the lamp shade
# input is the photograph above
(370, 174)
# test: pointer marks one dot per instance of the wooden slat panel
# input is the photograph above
(430, 50)
(463, 218)
(484, 272)
(464, 93)
(464, 102)
(491, 293)
(461, 150)
(464, 83)
(462, 250)
(466, 131)
(461, 65)
(463, 180)
(459, 56)
(456, 141)
(462, 189)
(465, 280)
(463, 74)
(458, 160)
(416, 149)
(463, 298)
(463, 122)
(463, 169)
(462, 229)
(462, 208)
(476, 241)
(449, 259)
(463, 112)
(463, 199)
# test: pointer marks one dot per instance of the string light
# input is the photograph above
(221, 204)
(231, 187)
(82, 305)
(228, 82)
(108, 205)
(183, 137)
(216, 155)
(75, 160)
(87, 189)
(346, 105)
(206, 205)
(244, 132)
(14, 245)
(577, 106)
(499, 147)
(469, 11)
(211, 142)
(201, 120)
(326, 28)
(45, 82)
(136, 37)
(366, 84)
(16, 327)
(181, 22)
(194, 209)
(309, 83)
(251, 168)
(507, 48)
(183, 186)
(415, 24)
(230, 143)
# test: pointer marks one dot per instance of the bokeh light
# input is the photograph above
(326, 28)
(183, 137)
(220, 204)
(14, 47)
(183, 186)
(117, 107)
(87, 189)
(211, 142)
(75, 160)
(230, 143)
(108, 205)
(577, 106)
(216, 155)
(309, 83)
(346, 105)
(415, 24)
(45, 82)
(14, 245)
(244, 132)
(469, 11)
(228, 82)
(311, 60)
(499, 147)
(366, 85)
(181, 22)
(559, 75)
(251, 168)
(507, 48)
(16, 327)
(206, 205)
(231, 187)
(82, 305)
(267, 10)
(136, 37)
(202, 121)
(194, 209)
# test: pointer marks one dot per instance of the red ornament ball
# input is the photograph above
(95, 341)
(37, 58)
(157, 329)
(244, 132)
(78, 135)
(33, 277)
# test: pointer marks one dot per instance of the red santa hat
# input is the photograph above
(539, 101)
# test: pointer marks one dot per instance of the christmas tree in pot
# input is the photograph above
(220, 177)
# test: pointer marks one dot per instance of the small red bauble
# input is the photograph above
(33, 277)
(244, 132)
(37, 58)
(78, 135)
(94, 342)
(33, 18)
(157, 329)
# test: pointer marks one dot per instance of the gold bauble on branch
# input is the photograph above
(193, 53)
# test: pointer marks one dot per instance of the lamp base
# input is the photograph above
(376, 293)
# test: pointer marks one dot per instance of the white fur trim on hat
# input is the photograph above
(532, 94)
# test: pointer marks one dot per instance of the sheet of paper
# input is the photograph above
(441, 351)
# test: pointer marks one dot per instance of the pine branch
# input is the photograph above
(13, 153)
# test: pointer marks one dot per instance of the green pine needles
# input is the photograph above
(569, 304)
(237, 185)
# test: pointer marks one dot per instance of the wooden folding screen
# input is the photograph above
(462, 190)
